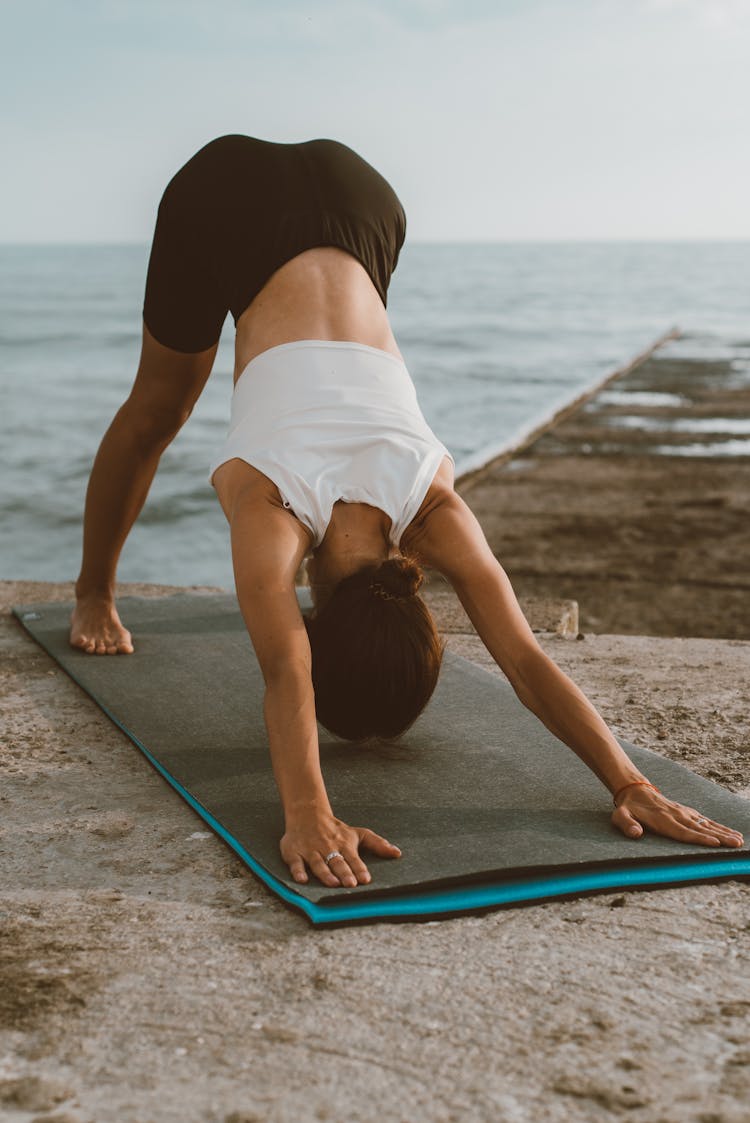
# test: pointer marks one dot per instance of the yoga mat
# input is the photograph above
(488, 807)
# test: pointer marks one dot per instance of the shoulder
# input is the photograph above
(449, 538)
(439, 492)
(250, 498)
(235, 479)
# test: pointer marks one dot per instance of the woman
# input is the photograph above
(328, 457)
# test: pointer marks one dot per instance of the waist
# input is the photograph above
(321, 293)
(311, 388)
(277, 354)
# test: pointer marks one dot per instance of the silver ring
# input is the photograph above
(700, 822)
(334, 854)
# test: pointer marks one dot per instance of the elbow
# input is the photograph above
(525, 673)
(287, 674)
(523, 693)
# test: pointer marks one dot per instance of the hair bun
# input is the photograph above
(397, 578)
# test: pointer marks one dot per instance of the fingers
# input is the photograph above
(626, 822)
(342, 868)
(297, 869)
(735, 838)
(377, 844)
(346, 869)
(674, 820)
(325, 873)
(708, 828)
(691, 826)
(357, 867)
(303, 848)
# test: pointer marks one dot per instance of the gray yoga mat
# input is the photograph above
(486, 804)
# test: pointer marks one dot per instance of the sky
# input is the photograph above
(493, 120)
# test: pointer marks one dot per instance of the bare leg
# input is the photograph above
(165, 390)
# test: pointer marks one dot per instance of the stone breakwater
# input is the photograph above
(636, 505)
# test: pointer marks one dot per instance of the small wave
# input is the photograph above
(119, 339)
(709, 450)
(732, 426)
(175, 508)
(637, 398)
(42, 339)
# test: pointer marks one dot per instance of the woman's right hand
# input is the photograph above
(309, 839)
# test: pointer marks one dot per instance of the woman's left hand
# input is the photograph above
(643, 807)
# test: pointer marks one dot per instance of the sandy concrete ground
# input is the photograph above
(647, 543)
(145, 975)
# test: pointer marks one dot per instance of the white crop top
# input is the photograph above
(328, 420)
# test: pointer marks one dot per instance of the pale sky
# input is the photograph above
(492, 119)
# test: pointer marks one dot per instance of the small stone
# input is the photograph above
(279, 1034)
(111, 826)
(31, 1093)
(66, 1117)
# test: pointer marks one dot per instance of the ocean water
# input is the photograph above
(496, 337)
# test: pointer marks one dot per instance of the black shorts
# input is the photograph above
(242, 207)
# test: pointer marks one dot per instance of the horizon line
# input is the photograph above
(563, 240)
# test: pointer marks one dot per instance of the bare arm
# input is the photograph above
(266, 551)
(453, 542)
(268, 545)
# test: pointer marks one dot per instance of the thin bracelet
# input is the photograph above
(644, 783)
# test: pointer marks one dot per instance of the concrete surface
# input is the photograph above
(147, 977)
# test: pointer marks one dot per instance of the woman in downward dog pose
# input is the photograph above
(328, 458)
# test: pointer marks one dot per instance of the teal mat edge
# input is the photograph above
(437, 902)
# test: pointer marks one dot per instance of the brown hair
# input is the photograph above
(376, 652)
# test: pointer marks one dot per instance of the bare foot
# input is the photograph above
(96, 628)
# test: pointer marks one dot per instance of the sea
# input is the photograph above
(496, 336)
